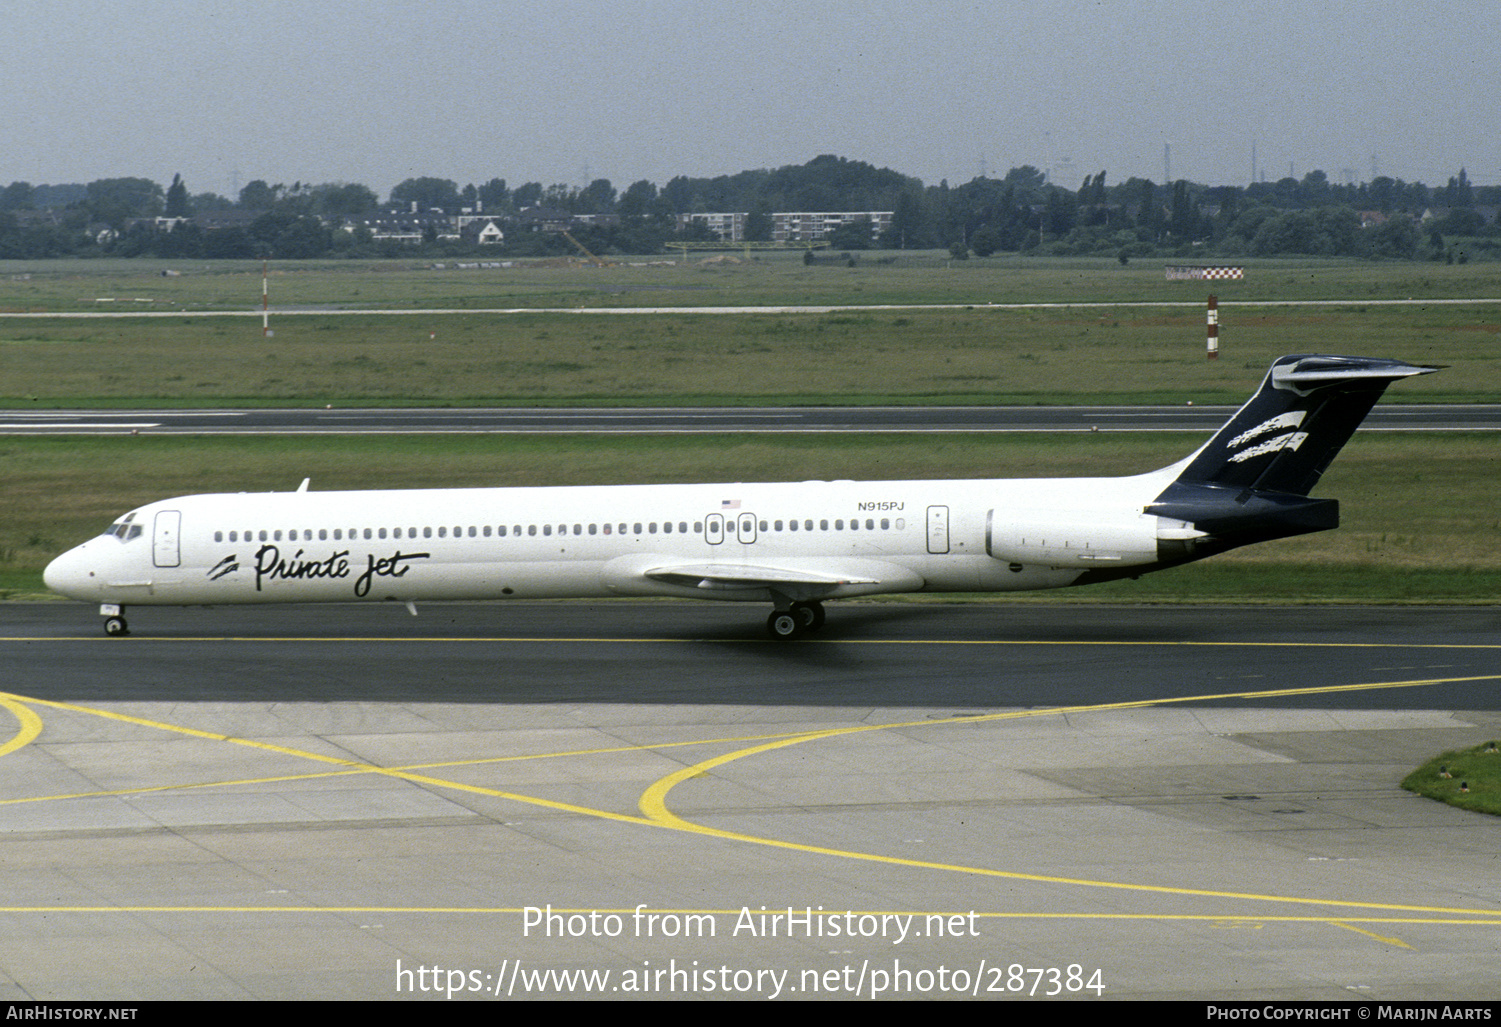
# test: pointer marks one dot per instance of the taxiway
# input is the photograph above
(343, 801)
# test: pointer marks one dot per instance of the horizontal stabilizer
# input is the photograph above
(1315, 371)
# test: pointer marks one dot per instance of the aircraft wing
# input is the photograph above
(802, 579)
(744, 575)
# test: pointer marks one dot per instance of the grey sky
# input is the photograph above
(375, 91)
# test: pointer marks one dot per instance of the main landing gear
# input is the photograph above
(795, 621)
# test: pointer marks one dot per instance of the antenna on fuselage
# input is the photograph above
(304, 485)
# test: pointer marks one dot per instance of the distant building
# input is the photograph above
(789, 226)
(484, 231)
(812, 227)
(395, 224)
(728, 227)
(543, 219)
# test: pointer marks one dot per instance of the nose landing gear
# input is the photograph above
(114, 623)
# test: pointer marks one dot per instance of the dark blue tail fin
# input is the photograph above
(1251, 481)
(1288, 433)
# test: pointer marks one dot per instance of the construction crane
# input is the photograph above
(585, 250)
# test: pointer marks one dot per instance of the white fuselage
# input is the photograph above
(804, 540)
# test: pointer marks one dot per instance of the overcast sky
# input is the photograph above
(375, 91)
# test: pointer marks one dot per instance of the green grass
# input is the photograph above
(1468, 778)
(1121, 355)
(1420, 522)
(975, 354)
(765, 278)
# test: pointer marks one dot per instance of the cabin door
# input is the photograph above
(938, 529)
(165, 538)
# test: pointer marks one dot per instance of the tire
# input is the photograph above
(785, 625)
(811, 615)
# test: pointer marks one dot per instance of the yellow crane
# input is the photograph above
(585, 250)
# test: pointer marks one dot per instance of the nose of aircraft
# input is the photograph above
(70, 575)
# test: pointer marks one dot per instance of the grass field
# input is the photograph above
(975, 354)
(1421, 520)
(766, 278)
(1114, 355)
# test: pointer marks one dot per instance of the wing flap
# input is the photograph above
(740, 575)
(801, 578)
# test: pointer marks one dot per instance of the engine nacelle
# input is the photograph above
(1070, 540)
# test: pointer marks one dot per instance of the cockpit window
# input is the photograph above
(123, 529)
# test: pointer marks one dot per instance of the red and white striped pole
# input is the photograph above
(1214, 328)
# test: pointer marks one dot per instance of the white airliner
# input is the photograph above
(793, 544)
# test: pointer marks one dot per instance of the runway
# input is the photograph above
(679, 420)
(928, 800)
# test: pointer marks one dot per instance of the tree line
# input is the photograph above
(1021, 211)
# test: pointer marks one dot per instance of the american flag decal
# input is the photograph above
(730, 504)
